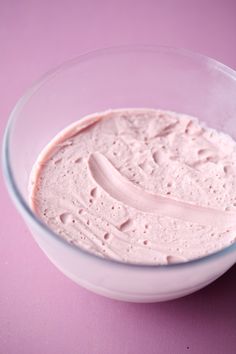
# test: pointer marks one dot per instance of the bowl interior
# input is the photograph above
(159, 77)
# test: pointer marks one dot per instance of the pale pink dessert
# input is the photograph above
(139, 185)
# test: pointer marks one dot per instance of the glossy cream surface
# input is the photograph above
(139, 185)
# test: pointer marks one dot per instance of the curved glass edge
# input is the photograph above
(18, 198)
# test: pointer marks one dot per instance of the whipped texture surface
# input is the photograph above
(139, 185)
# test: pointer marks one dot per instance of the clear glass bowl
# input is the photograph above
(140, 76)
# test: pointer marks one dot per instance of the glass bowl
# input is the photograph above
(122, 77)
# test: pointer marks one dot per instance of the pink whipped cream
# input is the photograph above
(139, 185)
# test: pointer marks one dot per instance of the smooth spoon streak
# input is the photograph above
(121, 189)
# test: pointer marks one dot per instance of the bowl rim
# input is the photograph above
(10, 180)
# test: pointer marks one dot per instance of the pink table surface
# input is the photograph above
(41, 311)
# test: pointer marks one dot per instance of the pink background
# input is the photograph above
(41, 311)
